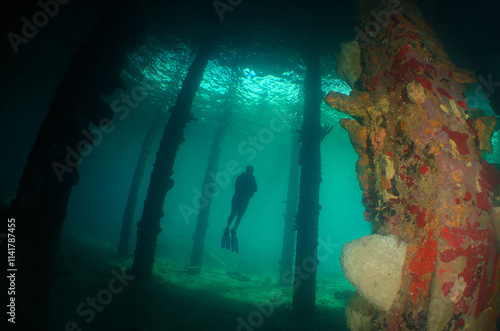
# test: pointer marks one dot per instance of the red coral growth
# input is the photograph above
(413, 209)
(421, 219)
(490, 178)
(451, 254)
(468, 196)
(483, 201)
(450, 74)
(410, 181)
(368, 216)
(425, 83)
(461, 307)
(461, 104)
(403, 51)
(482, 198)
(457, 201)
(424, 169)
(444, 93)
(460, 140)
(422, 266)
(452, 237)
(446, 288)
(470, 124)
(475, 275)
(399, 70)
(480, 251)
(490, 174)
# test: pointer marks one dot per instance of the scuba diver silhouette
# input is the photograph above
(244, 190)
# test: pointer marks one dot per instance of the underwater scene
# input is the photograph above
(250, 165)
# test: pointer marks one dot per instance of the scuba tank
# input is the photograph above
(234, 180)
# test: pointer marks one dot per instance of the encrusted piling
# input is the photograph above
(161, 180)
(51, 170)
(208, 182)
(292, 198)
(304, 294)
(422, 174)
(128, 215)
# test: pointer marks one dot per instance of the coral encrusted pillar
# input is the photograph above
(422, 174)
(148, 228)
(306, 262)
(128, 215)
(208, 184)
(63, 139)
(292, 198)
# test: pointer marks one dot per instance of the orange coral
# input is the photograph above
(484, 127)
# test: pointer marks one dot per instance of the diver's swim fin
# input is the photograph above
(234, 241)
(225, 239)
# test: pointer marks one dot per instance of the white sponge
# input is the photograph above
(373, 265)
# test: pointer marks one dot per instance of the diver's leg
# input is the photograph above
(241, 211)
(234, 211)
(230, 219)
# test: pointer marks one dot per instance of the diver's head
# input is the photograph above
(249, 170)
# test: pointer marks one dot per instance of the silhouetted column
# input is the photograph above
(51, 170)
(161, 182)
(128, 215)
(208, 188)
(288, 251)
(304, 294)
